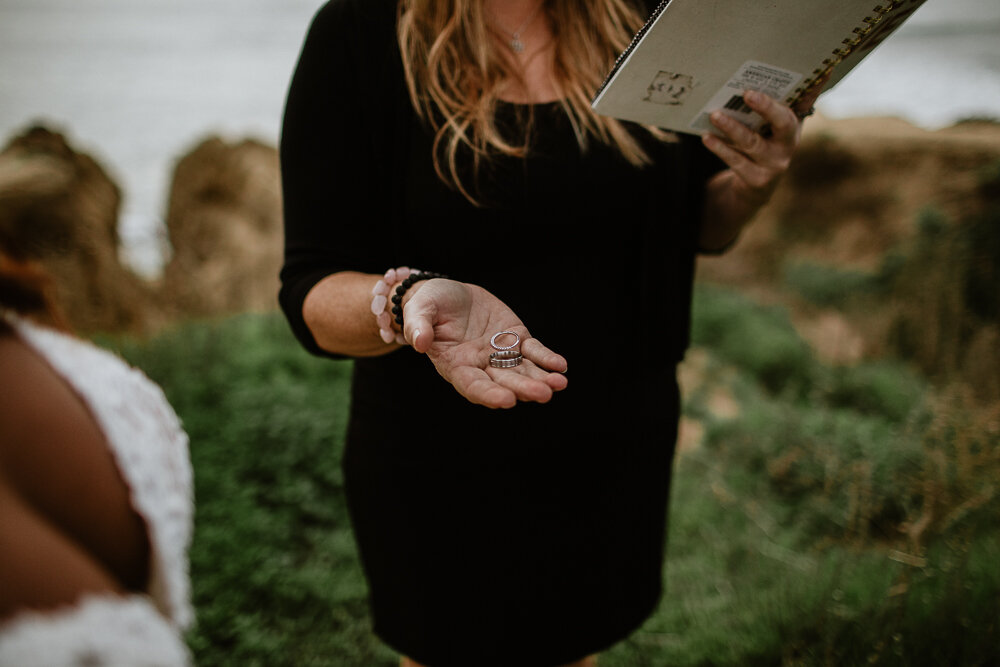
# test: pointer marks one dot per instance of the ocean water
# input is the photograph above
(138, 83)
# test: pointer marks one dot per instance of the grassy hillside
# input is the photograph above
(884, 241)
(821, 515)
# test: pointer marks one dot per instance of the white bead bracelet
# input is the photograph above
(380, 300)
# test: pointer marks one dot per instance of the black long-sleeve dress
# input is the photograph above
(495, 537)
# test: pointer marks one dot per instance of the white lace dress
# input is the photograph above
(151, 450)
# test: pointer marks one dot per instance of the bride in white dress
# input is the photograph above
(95, 498)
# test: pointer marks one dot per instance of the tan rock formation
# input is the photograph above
(59, 207)
(224, 225)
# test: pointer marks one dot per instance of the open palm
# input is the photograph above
(453, 322)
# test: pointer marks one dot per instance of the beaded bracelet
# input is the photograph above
(380, 299)
(380, 294)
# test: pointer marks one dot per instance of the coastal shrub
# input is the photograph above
(759, 340)
(943, 300)
(840, 475)
(883, 387)
(835, 531)
(874, 450)
(828, 286)
(789, 550)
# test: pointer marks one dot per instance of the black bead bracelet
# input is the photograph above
(397, 298)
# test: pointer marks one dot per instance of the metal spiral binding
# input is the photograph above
(869, 23)
(635, 40)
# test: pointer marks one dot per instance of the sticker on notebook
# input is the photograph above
(669, 88)
(768, 79)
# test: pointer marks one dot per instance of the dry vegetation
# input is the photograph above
(884, 240)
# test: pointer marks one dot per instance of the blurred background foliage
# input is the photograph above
(836, 489)
(822, 514)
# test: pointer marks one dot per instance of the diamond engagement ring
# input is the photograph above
(493, 341)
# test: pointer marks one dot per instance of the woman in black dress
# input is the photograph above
(456, 136)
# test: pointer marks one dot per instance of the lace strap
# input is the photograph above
(99, 631)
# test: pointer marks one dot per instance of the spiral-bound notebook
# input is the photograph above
(695, 56)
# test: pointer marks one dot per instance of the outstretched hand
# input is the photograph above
(452, 323)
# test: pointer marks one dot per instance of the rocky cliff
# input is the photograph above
(60, 208)
(224, 225)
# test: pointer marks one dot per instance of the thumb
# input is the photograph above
(421, 338)
(418, 325)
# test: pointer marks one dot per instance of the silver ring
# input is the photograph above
(493, 341)
(505, 359)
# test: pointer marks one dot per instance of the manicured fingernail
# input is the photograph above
(416, 334)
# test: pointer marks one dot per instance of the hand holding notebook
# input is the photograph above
(693, 57)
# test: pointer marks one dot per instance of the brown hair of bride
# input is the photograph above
(27, 289)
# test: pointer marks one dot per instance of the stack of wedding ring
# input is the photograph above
(505, 356)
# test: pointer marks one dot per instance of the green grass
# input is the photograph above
(274, 569)
(845, 516)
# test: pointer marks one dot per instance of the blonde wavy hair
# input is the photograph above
(455, 72)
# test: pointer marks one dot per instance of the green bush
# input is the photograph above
(877, 388)
(853, 527)
(828, 286)
(759, 340)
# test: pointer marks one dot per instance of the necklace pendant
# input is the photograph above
(516, 45)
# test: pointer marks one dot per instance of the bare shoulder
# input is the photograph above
(69, 526)
(38, 406)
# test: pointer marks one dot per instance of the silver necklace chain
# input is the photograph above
(515, 43)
